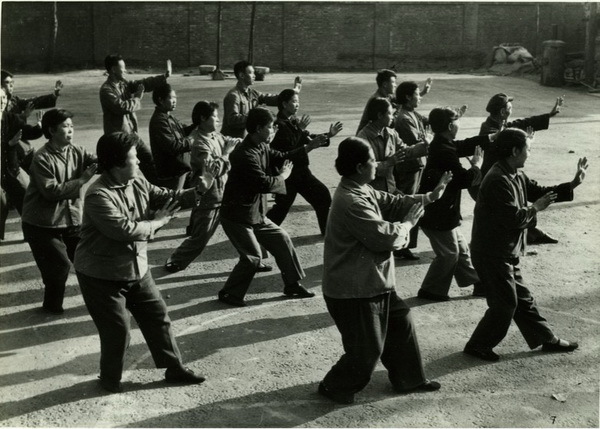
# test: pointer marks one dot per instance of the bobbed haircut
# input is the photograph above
(285, 96)
(112, 149)
(112, 60)
(53, 118)
(441, 117)
(5, 74)
(509, 139)
(258, 117)
(383, 76)
(376, 106)
(351, 152)
(405, 90)
(240, 67)
(203, 109)
(160, 93)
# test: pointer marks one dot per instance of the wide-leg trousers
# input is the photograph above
(110, 302)
(372, 329)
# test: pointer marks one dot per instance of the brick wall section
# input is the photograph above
(292, 36)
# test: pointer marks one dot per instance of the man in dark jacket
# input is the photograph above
(501, 217)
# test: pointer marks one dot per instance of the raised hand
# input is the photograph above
(530, 132)
(210, 170)
(544, 201)
(139, 91)
(29, 108)
(304, 121)
(335, 128)
(557, 105)
(169, 71)
(297, 84)
(16, 138)
(57, 87)
(462, 109)
(415, 213)
(166, 212)
(286, 169)
(38, 115)
(318, 141)
(582, 166)
(438, 191)
(88, 173)
(399, 156)
(477, 158)
(230, 144)
(427, 86)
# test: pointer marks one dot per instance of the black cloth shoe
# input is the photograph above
(264, 268)
(557, 347)
(423, 294)
(111, 386)
(180, 374)
(406, 254)
(540, 237)
(297, 290)
(427, 386)
(52, 310)
(231, 300)
(485, 354)
(339, 397)
(172, 267)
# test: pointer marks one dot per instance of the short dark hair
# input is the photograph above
(351, 152)
(405, 90)
(112, 149)
(376, 106)
(383, 76)
(441, 117)
(203, 109)
(5, 74)
(112, 60)
(160, 93)
(258, 117)
(52, 118)
(285, 96)
(240, 67)
(507, 140)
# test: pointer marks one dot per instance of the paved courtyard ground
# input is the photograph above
(263, 362)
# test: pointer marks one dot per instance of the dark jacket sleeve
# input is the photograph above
(150, 83)
(540, 122)
(41, 102)
(467, 147)
(564, 191)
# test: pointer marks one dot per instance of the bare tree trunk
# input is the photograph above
(53, 36)
(218, 74)
(251, 43)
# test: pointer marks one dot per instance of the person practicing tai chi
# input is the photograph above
(291, 134)
(502, 216)
(364, 227)
(386, 85)
(121, 98)
(208, 145)
(242, 98)
(389, 151)
(244, 208)
(500, 108)
(442, 219)
(122, 212)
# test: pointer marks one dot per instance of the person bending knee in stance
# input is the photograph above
(364, 227)
(111, 261)
(291, 134)
(502, 216)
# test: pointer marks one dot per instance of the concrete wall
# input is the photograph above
(293, 36)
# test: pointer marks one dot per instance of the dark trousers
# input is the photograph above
(408, 183)
(53, 250)
(108, 302)
(13, 193)
(248, 239)
(204, 224)
(507, 299)
(374, 328)
(312, 190)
